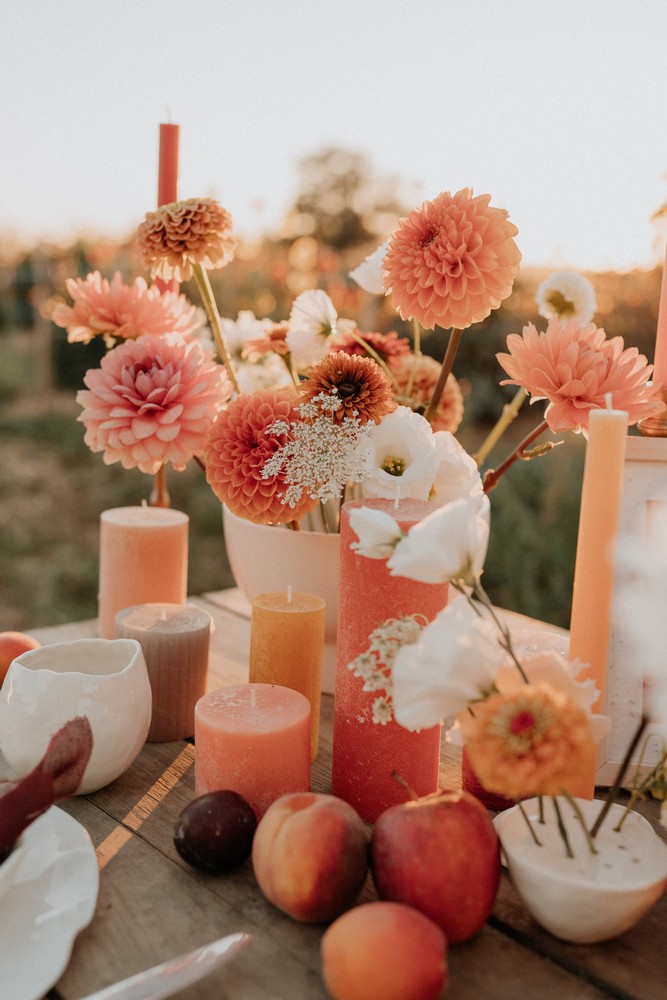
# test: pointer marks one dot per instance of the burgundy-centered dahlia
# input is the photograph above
(184, 233)
(451, 261)
(239, 445)
(152, 401)
(416, 379)
(362, 387)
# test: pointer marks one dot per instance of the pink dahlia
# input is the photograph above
(416, 379)
(239, 445)
(451, 261)
(152, 401)
(118, 311)
(576, 369)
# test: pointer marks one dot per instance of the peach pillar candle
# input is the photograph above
(253, 739)
(175, 643)
(592, 595)
(365, 753)
(287, 647)
(143, 559)
(660, 358)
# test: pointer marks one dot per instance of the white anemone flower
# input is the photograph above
(311, 325)
(452, 664)
(447, 545)
(457, 475)
(401, 450)
(368, 274)
(566, 295)
(377, 531)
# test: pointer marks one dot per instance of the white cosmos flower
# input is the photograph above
(368, 274)
(377, 531)
(452, 664)
(245, 327)
(449, 544)
(311, 325)
(401, 448)
(457, 475)
(566, 295)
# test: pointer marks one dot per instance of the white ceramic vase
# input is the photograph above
(266, 558)
(104, 679)
(591, 897)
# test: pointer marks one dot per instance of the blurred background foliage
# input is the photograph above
(52, 489)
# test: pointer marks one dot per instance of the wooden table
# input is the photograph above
(152, 906)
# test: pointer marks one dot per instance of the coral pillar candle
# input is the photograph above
(366, 753)
(287, 647)
(660, 360)
(253, 739)
(167, 185)
(143, 560)
(175, 642)
(592, 595)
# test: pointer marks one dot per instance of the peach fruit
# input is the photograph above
(310, 855)
(384, 951)
(12, 644)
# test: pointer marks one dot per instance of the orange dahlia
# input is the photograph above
(359, 383)
(177, 236)
(239, 445)
(451, 261)
(417, 378)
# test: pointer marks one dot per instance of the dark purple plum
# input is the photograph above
(214, 832)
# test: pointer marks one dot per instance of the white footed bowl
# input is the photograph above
(104, 679)
(587, 898)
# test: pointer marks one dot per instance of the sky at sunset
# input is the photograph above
(557, 108)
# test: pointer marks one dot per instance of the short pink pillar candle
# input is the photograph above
(143, 560)
(253, 739)
(366, 753)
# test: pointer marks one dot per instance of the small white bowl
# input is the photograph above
(9, 867)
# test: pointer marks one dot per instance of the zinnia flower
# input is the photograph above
(117, 311)
(566, 295)
(239, 445)
(311, 325)
(152, 401)
(417, 377)
(183, 233)
(575, 368)
(359, 383)
(451, 261)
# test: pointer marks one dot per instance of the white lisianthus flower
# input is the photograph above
(377, 531)
(401, 449)
(311, 325)
(452, 664)
(566, 295)
(448, 545)
(457, 475)
(368, 274)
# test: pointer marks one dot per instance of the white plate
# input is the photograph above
(52, 897)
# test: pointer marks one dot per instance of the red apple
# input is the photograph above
(440, 854)
(12, 644)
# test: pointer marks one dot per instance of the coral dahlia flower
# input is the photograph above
(240, 443)
(359, 383)
(177, 236)
(117, 311)
(576, 368)
(386, 345)
(451, 261)
(152, 401)
(417, 377)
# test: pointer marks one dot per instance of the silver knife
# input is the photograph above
(172, 976)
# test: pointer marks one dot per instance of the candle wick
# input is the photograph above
(289, 593)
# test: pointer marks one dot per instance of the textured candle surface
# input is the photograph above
(143, 559)
(253, 739)
(366, 753)
(287, 647)
(175, 642)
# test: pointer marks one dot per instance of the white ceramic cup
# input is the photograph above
(104, 679)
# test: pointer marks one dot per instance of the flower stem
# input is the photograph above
(372, 353)
(484, 599)
(206, 292)
(493, 475)
(509, 413)
(613, 791)
(562, 830)
(160, 494)
(580, 816)
(447, 365)
(529, 824)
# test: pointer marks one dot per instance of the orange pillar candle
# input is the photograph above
(660, 359)
(143, 559)
(366, 753)
(175, 642)
(253, 739)
(287, 647)
(592, 595)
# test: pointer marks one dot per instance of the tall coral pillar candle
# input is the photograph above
(366, 753)
(287, 647)
(143, 560)
(592, 596)
(167, 186)
(253, 739)
(174, 639)
(660, 359)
